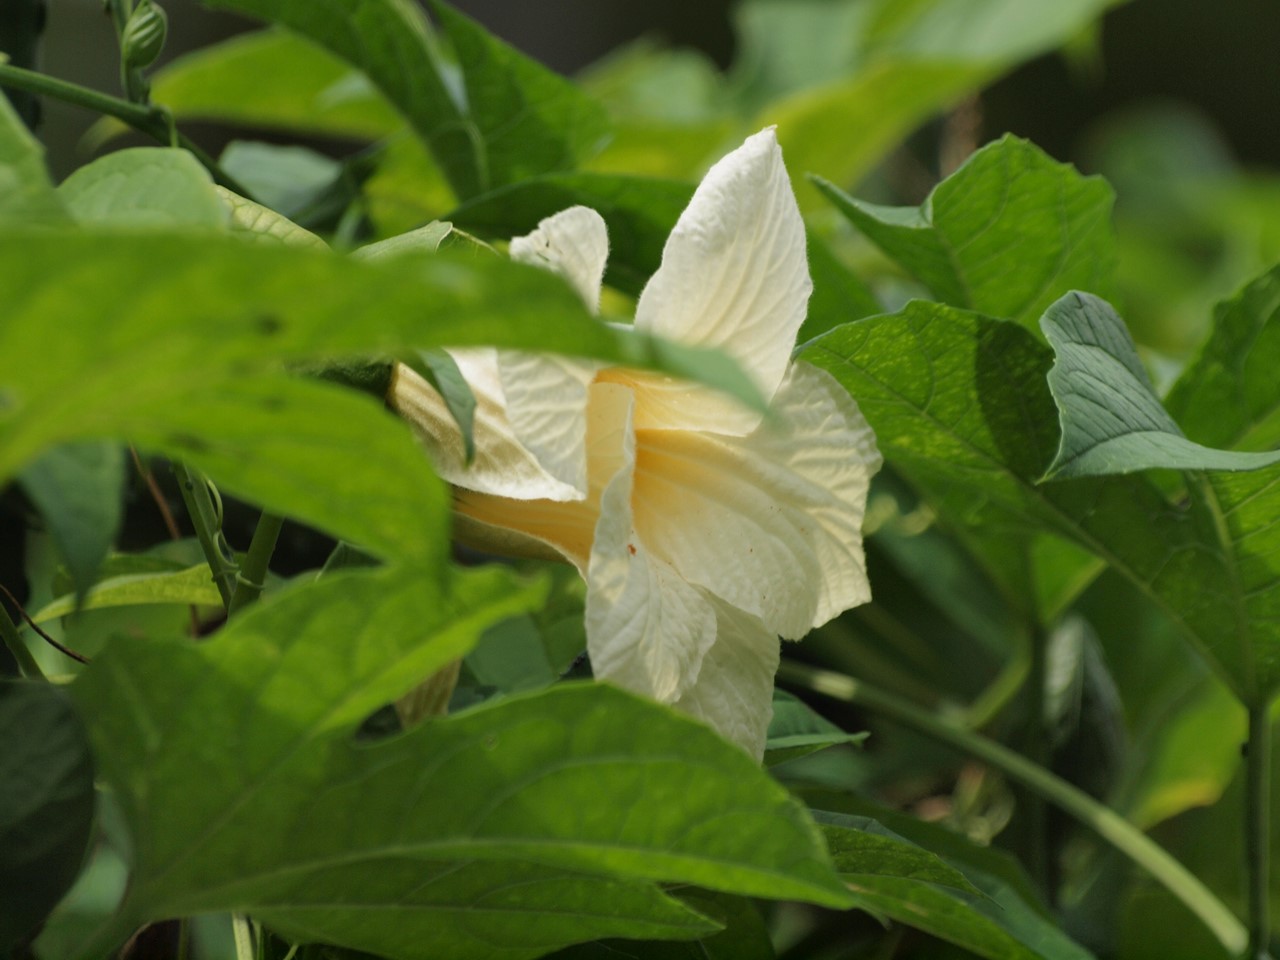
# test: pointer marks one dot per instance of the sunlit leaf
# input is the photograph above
(1008, 203)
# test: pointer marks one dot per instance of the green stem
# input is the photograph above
(253, 572)
(21, 652)
(242, 934)
(1108, 824)
(152, 120)
(204, 517)
(1258, 829)
(1036, 749)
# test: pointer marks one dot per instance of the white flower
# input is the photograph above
(703, 531)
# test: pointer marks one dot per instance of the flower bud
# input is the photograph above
(144, 34)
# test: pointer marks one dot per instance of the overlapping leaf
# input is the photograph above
(1006, 234)
(502, 832)
(960, 403)
(516, 119)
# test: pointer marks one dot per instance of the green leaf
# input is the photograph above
(1229, 396)
(517, 118)
(263, 225)
(527, 119)
(976, 910)
(426, 239)
(155, 187)
(1008, 203)
(839, 296)
(441, 371)
(189, 586)
(164, 339)
(639, 211)
(960, 404)
(79, 490)
(26, 194)
(273, 79)
(505, 831)
(797, 731)
(46, 808)
(1112, 420)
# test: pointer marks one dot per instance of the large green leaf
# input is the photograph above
(516, 119)
(192, 586)
(1009, 203)
(960, 404)
(156, 187)
(46, 806)
(175, 341)
(505, 831)
(26, 194)
(79, 491)
(639, 211)
(1112, 421)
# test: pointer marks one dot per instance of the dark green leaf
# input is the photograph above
(505, 831)
(639, 211)
(157, 187)
(796, 731)
(839, 296)
(1008, 204)
(46, 806)
(441, 370)
(1112, 421)
(526, 119)
(79, 490)
(976, 910)
(26, 195)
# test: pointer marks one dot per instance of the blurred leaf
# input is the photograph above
(983, 902)
(46, 808)
(26, 194)
(79, 490)
(1008, 203)
(259, 223)
(406, 188)
(639, 212)
(424, 239)
(872, 72)
(839, 296)
(153, 187)
(960, 404)
(517, 118)
(515, 828)
(163, 337)
(286, 179)
(1112, 420)
(190, 586)
(796, 730)
(272, 78)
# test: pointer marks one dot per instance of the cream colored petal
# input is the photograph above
(733, 691)
(734, 271)
(647, 628)
(770, 522)
(546, 399)
(575, 244)
(502, 465)
(666, 403)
